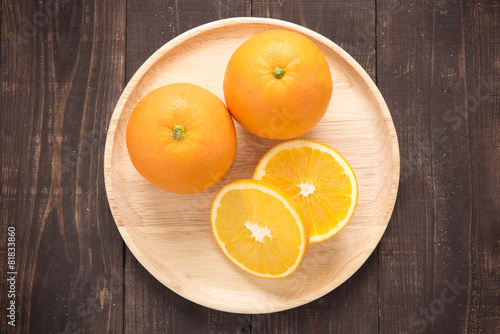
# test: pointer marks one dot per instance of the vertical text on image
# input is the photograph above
(11, 275)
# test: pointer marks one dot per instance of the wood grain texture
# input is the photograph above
(61, 73)
(154, 308)
(437, 66)
(481, 81)
(351, 26)
(156, 224)
(437, 256)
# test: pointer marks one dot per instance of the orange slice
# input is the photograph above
(259, 228)
(318, 178)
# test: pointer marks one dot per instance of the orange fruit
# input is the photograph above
(181, 138)
(259, 228)
(278, 84)
(318, 178)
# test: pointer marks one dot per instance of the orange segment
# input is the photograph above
(259, 228)
(318, 178)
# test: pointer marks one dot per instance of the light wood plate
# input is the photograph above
(170, 234)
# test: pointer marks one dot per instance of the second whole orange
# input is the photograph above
(278, 84)
(181, 138)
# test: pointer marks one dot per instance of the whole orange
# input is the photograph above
(278, 84)
(181, 138)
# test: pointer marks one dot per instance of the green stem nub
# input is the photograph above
(178, 132)
(278, 72)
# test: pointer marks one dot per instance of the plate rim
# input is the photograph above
(136, 78)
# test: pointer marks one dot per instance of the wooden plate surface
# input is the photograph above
(170, 234)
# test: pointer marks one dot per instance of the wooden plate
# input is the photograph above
(170, 234)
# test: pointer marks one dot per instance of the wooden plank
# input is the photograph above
(417, 68)
(62, 71)
(482, 124)
(353, 307)
(430, 64)
(153, 308)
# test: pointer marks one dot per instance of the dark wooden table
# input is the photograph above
(63, 66)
